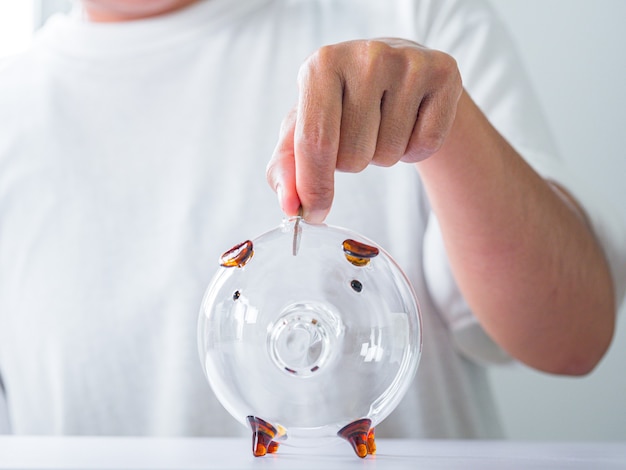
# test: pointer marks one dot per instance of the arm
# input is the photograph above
(523, 255)
(525, 260)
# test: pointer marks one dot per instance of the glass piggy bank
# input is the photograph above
(309, 333)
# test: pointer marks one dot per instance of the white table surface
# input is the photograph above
(226, 454)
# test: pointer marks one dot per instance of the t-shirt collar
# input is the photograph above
(74, 34)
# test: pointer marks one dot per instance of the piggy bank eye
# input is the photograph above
(356, 285)
(236, 295)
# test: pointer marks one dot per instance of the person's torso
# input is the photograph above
(125, 173)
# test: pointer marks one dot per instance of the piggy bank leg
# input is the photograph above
(371, 442)
(358, 435)
(263, 434)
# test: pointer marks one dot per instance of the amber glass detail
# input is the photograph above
(237, 256)
(357, 433)
(359, 254)
(371, 442)
(264, 436)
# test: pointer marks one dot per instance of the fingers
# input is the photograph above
(437, 108)
(398, 115)
(281, 173)
(339, 116)
(361, 110)
(317, 133)
(379, 109)
(360, 103)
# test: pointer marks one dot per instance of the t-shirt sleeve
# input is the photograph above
(607, 224)
(493, 75)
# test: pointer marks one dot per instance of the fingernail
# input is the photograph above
(315, 216)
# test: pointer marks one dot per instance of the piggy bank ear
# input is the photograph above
(237, 256)
(357, 253)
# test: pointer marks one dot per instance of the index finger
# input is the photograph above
(317, 133)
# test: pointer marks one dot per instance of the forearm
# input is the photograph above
(527, 263)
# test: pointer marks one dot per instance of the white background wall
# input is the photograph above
(575, 52)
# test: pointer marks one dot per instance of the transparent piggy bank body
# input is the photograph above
(309, 332)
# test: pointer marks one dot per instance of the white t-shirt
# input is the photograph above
(132, 155)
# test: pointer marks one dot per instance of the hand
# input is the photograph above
(361, 102)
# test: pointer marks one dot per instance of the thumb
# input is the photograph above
(281, 169)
